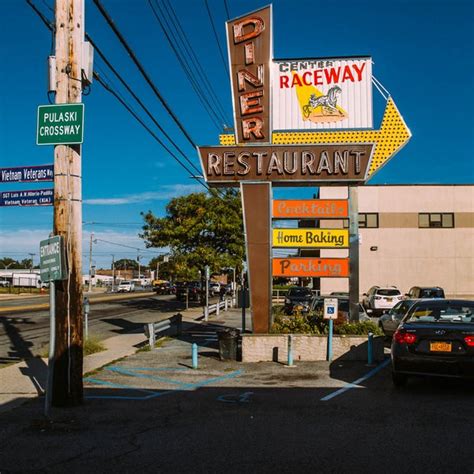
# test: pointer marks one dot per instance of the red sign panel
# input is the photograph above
(310, 209)
(310, 267)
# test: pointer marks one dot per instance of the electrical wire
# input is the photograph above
(187, 48)
(130, 247)
(226, 10)
(186, 68)
(217, 38)
(145, 126)
(137, 63)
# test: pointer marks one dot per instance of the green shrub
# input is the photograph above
(361, 328)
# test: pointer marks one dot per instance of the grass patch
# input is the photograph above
(91, 346)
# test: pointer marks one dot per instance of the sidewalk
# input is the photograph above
(27, 379)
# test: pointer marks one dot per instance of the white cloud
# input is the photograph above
(167, 191)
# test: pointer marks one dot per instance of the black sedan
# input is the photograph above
(436, 337)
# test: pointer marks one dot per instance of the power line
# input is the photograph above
(217, 37)
(145, 126)
(185, 65)
(226, 9)
(190, 50)
(130, 247)
(124, 43)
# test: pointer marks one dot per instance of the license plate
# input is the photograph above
(440, 346)
(389, 300)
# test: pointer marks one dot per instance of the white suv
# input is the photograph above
(126, 287)
(378, 299)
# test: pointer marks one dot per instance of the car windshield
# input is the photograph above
(125, 283)
(431, 293)
(450, 312)
(387, 292)
(299, 291)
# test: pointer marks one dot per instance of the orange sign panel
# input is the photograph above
(310, 209)
(310, 267)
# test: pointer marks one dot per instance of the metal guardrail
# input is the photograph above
(215, 308)
(154, 329)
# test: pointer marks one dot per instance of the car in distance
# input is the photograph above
(418, 292)
(214, 287)
(390, 320)
(164, 288)
(378, 299)
(193, 290)
(298, 298)
(126, 287)
(317, 304)
(435, 338)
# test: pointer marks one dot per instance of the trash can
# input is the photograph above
(228, 343)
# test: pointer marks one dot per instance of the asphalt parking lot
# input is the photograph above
(151, 412)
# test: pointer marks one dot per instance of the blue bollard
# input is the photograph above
(330, 340)
(370, 349)
(290, 350)
(195, 356)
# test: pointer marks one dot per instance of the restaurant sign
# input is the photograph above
(286, 164)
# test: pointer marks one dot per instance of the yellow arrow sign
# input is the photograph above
(391, 138)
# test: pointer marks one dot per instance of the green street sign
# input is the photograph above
(60, 124)
(52, 263)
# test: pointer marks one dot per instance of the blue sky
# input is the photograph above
(422, 53)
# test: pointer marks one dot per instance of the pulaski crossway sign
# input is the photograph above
(286, 164)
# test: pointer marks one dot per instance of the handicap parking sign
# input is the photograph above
(330, 308)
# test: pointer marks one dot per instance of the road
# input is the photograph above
(25, 333)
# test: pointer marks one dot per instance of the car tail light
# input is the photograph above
(402, 337)
(378, 297)
(469, 340)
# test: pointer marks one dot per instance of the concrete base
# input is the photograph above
(274, 347)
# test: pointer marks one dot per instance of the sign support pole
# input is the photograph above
(68, 357)
(52, 346)
(354, 253)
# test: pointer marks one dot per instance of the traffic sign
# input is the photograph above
(52, 262)
(23, 174)
(60, 124)
(31, 197)
(330, 308)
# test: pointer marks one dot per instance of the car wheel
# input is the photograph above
(399, 380)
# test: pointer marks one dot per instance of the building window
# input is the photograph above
(367, 220)
(435, 219)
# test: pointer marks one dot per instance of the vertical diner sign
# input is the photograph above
(249, 39)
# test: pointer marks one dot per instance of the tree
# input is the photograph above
(199, 229)
(126, 264)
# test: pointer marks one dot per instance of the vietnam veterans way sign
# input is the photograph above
(60, 124)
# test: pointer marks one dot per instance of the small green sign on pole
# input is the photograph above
(60, 124)
(52, 264)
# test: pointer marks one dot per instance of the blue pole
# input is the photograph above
(370, 349)
(290, 350)
(330, 340)
(195, 356)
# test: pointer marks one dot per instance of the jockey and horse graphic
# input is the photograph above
(328, 103)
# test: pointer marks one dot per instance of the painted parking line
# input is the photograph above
(356, 382)
(153, 394)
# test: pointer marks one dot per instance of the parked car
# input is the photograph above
(298, 298)
(390, 320)
(378, 299)
(436, 337)
(317, 304)
(417, 292)
(4, 283)
(126, 287)
(214, 288)
(193, 289)
(164, 288)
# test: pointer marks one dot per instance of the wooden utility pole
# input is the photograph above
(67, 378)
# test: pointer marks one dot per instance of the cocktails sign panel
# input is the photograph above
(328, 93)
(310, 209)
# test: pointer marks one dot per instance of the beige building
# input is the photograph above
(412, 235)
